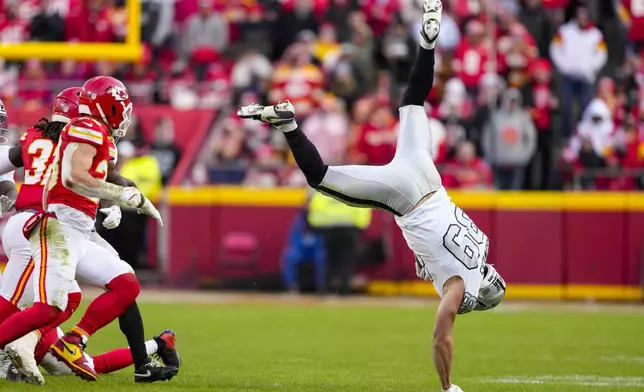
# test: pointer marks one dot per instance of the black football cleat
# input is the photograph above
(153, 371)
(167, 348)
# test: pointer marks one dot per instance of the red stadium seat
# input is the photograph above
(238, 255)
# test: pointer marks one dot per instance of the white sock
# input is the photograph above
(426, 45)
(151, 347)
(288, 127)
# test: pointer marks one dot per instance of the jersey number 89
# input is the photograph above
(465, 241)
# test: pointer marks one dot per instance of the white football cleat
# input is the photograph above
(277, 115)
(21, 354)
(454, 388)
(432, 13)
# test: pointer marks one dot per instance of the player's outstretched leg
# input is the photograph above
(282, 117)
(121, 293)
(167, 348)
(162, 346)
(421, 77)
(145, 369)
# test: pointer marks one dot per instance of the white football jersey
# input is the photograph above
(446, 241)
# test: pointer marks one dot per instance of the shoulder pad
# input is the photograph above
(87, 130)
(89, 123)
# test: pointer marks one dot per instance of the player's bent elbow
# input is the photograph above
(68, 182)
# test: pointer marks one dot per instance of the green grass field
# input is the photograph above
(365, 346)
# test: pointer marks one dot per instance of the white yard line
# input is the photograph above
(575, 380)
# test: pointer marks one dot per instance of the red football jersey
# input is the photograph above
(88, 131)
(635, 11)
(37, 155)
(471, 62)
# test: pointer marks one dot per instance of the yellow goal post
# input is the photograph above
(129, 51)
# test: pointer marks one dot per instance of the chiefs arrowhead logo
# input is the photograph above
(119, 93)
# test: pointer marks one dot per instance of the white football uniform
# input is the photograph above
(444, 239)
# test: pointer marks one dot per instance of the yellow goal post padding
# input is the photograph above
(130, 50)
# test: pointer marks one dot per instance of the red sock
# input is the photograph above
(113, 360)
(7, 309)
(73, 300)
(121, 293)
(44, 344)
(26, 321)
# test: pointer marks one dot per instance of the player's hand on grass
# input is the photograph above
(113, 217)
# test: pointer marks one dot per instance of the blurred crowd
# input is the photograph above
(529, 94)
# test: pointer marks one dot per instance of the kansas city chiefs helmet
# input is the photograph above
(66, 105)
(107, 99)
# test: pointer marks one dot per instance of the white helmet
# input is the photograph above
(492, 289)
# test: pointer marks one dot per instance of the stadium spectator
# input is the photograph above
(8, 82)
(328, 128)
(467, 171)
(516, 50)
(364, 44)
(304, 245)
(629, 152)
(48, 23)
(587, 164)
(338, 15)
(205, 37)
(297, 79)
(90, 21)
(34, 83)
(347, 79)
(164, 148)
(534, 17)
(455, 112)
(157, 17)
(297, 17)
(267, 167)
(596, 126)
(376, 143)
(606, 91)
(541, 103)
(488, 98)
(71, 70)
(141, 79)
(340, 226)
(632, 12)
(509, 141)
(399, 49)
(465, 9)
(252, 71)
(254, 29)
(472, 56)
(13, 28)
(380, 14)
(326, 48)
(227, 157)
(579, 52)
